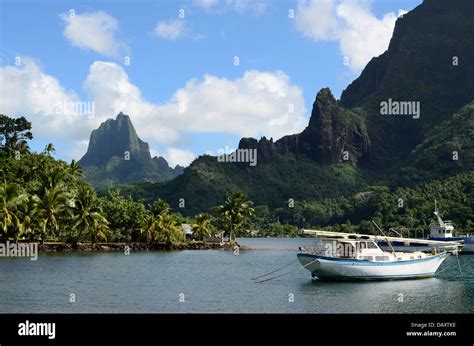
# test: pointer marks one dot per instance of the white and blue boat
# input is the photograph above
(439, 230)
(342, 256)
(443, 231)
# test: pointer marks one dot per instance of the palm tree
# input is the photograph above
(75, 171)
(49, 149)
(17, 148)
(203, 226)
(48, 209)
(88, 217)
(11, 197)
(234, 211)
(167, 229)
(160, 207)
(28, 222)
(148, 227)
(55, 178)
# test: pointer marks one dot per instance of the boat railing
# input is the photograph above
(446, 223)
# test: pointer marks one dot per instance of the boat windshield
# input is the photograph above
(371, 245)
(368, 245)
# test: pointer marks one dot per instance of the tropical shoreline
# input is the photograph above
(136, 246)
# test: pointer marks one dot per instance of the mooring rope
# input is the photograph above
(273, 271)
(439, 272)
(289, 272)
(448, 266)
(459, 264)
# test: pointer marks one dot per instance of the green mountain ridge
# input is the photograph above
(206, 180)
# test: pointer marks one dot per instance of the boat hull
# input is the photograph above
(330, 268)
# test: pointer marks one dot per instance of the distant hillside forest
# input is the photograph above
(45, 199)
(405, 208)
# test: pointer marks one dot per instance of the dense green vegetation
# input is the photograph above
(404, 208)
(448, 148)
(351, 210)
(43, 199)
(206, 181)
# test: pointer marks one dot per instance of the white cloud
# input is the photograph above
(316, 19)
(176, 156)
(258, 103)
(28, 91)
(361, 35)
(108, 84)
(171, 29)
(94, 31)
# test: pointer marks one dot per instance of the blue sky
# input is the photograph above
(183, 89)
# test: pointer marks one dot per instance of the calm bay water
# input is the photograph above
(218, 281)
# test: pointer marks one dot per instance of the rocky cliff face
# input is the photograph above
(333, 135)
(429, 60)
(117, 155)
(114, 138)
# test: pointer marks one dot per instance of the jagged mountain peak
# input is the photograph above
(117, 155)
(333, 135)
(115, 137)
(325, 105)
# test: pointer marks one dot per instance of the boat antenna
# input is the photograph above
(440, 220)
(386, 238)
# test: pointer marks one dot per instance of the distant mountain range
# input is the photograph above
(426, 80)
(116, 155)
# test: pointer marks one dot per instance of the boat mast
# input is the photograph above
(440, 220)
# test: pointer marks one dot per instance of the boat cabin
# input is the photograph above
(441, 229)
(348, 248)
(360, 249)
